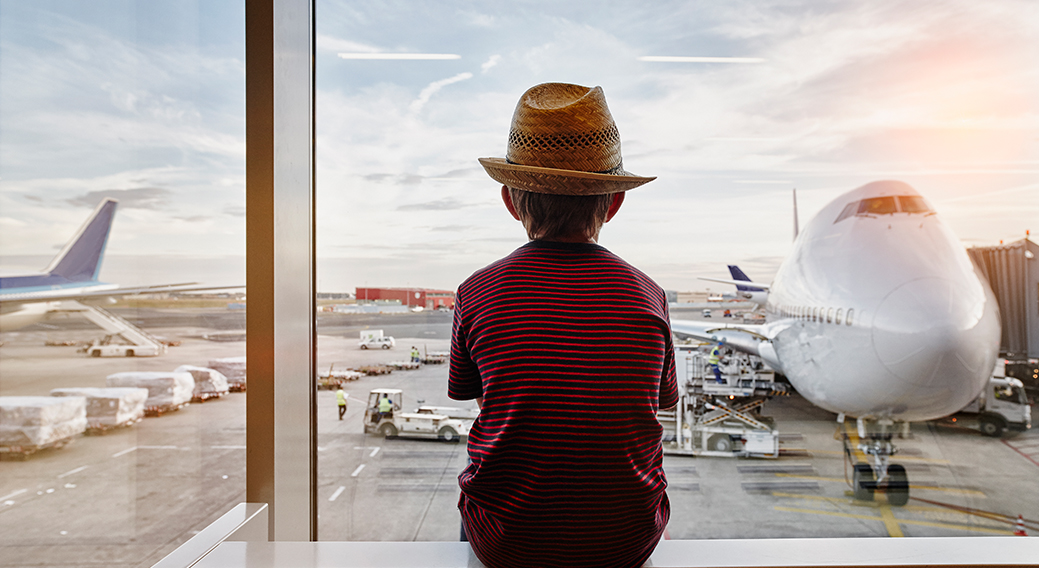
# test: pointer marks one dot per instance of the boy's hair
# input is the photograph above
(553, 216)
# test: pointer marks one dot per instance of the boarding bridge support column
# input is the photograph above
(281, 460)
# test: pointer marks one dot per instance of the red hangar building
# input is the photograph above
(411, 297)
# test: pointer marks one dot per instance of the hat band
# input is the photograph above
(610, 172)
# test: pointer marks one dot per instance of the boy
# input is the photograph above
(567, 350)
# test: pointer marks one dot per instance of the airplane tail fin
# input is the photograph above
(738, 274)
(80, 260)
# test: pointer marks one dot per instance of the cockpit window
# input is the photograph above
(877, 206)
(848, 211)
(913, 204)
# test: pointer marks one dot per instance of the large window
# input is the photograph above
(730, 106)
(141, 103)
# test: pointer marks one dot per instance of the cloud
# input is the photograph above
(486, 65)
(433, 87)
(443, 204)
(154, 198)
(193, 218)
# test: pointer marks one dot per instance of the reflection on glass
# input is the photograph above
(118, 439)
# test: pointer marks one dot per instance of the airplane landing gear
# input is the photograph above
(875, 441)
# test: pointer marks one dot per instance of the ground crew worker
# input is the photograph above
(414, 354)
(341, 402)
(385, 407)
(714, 360)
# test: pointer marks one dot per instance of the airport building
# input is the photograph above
(410, 297)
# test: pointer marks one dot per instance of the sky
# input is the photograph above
(144, 101)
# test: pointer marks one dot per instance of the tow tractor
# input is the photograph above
(424, 423)
(721, 419)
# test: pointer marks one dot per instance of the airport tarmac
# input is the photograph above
(129, 497)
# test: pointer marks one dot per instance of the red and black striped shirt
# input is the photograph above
(570, 348)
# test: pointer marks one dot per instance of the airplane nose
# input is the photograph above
(938, 333)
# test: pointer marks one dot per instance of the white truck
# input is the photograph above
(420, 424)
(374, 339)
(1002, 406)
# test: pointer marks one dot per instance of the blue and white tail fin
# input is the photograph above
(738, 274)
(80, 260)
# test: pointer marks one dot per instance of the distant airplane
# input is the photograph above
(72, 276)
(745, 289)
(877, 314)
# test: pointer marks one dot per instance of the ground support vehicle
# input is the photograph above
(1001, 407)
(124, 339)
(374, 339)
(722, 420)
(334, 378)
(409, 424)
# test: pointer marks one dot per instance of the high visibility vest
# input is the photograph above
(385, 405)
(414, 353)
(713, 359)
(340, 398)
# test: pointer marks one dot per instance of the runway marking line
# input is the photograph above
(15, 494)
(124, 452)
(920, 487)
(68, 473)
(357, 471)
(1024, 455)
(895, 519)
(337, 493)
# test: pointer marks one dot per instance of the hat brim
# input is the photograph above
(562, 182)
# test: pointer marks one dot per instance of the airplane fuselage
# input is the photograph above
(881, 313)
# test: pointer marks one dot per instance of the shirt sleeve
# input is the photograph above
(464, 382)
(668, 377)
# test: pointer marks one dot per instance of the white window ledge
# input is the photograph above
(213, 547)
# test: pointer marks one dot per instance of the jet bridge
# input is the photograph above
(721, 418)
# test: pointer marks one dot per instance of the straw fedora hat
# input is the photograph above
(563, 140)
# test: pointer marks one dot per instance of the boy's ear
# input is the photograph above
(615, 205)
(506, 197)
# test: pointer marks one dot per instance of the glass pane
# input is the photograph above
(118, 441)
(877, 206)
(913, 204)
(730, 111)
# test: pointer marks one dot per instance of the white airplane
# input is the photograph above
(877, 314)
(745, 288)
(72, 276)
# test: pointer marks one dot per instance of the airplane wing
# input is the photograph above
(752, 285)
(749, 338)
(103, 291)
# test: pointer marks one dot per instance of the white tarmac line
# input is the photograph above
(15, 494)
(227, 447)
(337, 493)
(357, 471)
(124, 452)
(68, 473)
(375, 451)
